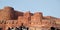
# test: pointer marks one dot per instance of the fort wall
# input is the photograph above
(34, 21)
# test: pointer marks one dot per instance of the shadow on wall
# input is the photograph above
(53, 28)
(0, 28)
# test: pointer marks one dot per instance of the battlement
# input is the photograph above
(27, 14)
(35, 21)
(8, 8)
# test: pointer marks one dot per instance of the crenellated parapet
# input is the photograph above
(9, 17)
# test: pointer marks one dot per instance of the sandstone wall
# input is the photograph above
(35, 21)
(7, 13)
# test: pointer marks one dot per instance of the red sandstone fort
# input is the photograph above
(15, 20)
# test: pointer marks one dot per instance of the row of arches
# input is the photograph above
(22, 27)
(26, 28)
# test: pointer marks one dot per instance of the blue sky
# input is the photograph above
(47, 7)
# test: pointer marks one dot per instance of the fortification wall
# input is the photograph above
(7, 13)
(35, 21)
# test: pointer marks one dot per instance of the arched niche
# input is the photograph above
(0, 28)
(22, 27)
(53, 28)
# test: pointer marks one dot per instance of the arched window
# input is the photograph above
(22, 27)
(52, 28)
(16, 28)
(9, 28)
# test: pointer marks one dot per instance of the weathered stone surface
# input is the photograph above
(34, 21)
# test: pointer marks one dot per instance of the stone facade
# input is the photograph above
(33, 21)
